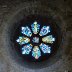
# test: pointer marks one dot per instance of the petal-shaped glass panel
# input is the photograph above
(26, 49)
(36, 52)
(45, 48)
(44, 30)
(23, 40)
(26, 30)
(35, 27)
(48, 39)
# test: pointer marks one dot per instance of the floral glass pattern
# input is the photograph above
(36, 52)
(35, 27)
(35, 49)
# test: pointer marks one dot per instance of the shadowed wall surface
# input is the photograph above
(12, 12)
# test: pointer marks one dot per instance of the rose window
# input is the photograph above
(35, 40)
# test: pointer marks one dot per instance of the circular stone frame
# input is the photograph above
(43, 21)
(11, 26)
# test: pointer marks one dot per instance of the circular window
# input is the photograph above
(36, 38)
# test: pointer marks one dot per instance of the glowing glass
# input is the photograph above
(35, 40)
(35, 27)
(26, 49)
(48, 39)
(45, 30)
(45, 48)
(26, 31)
(36, 53)
(23, 40)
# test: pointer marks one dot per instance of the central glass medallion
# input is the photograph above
(35, 39)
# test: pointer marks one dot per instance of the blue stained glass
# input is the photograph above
(26, 49)
(36, 52)
(35, 27)
(45, 48)
(48, 39)
(23, 40)
(26, 31)
(44, 30)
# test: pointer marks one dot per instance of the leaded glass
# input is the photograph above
(45, 48)
(36, 52)
(26, 31)
(48, 39)
(23, 40)
(35, 40)
(35, 27)
(26, 49)
(44, 30)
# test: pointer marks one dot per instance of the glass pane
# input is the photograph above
(48, 39)
(26, 49)
(35, 40)
(23, 40)
(36, 52)
(44, 30)
(35, 27)
(45, 48)
(26, 31)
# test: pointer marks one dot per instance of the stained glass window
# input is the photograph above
(45, 30)
(45, 48)
(36, 50)
(23, 40)
(35, 27)
(26, 31)
(35, 40)
(26, 49)
(48, 39)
